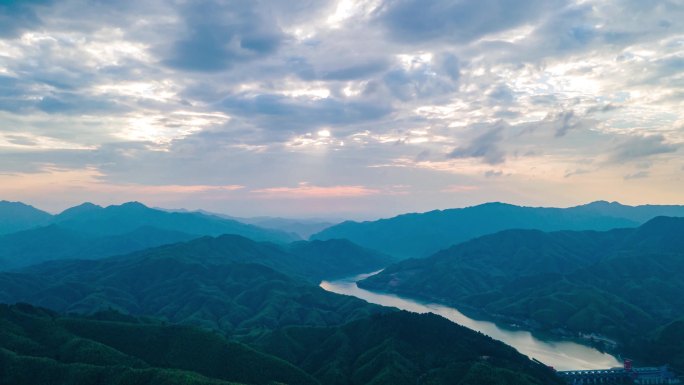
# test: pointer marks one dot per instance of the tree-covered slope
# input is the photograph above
(312, 261)
(420, 235)
(403, 348)
(235, 298)
(54, 242)
(663, 345)
(38, 346)
(619, 283)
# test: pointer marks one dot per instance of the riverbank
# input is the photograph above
(562, 354)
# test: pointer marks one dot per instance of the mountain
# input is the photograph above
(304, 228)
(53, 242)
(312, 261)
(620, 283)
(663, 345)
(638, 214)
(89, 231)
(420, 235)
(336, 258)
(17, 216)
(202, 285)
(403, 348)
(121, 219)
(38, 346)
(209, 282)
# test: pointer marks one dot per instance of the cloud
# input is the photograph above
(485, 146)
(564, 122)
(460, 21)
(460, 188)
(639, 147)
(539, 89)
(637, 175)
(219, 35)
(305, 191)
(19, 15)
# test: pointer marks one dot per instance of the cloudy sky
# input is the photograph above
(343, 108)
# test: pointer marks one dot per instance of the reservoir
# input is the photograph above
(562, 355)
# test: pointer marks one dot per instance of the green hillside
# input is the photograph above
(404, 348)
(38, 346)
(53, 242)
(233, 298)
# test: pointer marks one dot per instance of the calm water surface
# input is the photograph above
(562, 355)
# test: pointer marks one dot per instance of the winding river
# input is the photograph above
(562, 355)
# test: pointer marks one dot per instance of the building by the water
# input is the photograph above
(626, 375)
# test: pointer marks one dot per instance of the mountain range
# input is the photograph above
(422, 234)
(228, 285)
(89, 231)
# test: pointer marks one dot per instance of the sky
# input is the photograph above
(346, 108)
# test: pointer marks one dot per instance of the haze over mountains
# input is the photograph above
(89, 231)
(419, 235)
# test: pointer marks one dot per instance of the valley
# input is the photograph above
(560, 354)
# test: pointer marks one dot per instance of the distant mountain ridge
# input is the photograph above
(89, 231)
(17, 216)
(120, 219)
(113, 220)
(420, 235)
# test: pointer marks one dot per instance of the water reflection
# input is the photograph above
(562, 355)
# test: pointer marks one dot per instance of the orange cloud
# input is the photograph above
(172, 189)
(454, 188)
(304, 190)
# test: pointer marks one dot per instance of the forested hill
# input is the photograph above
(420, 235)
(235, 298)
(620, 283)
(38, 346)
(403, 348)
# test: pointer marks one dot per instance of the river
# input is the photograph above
(562, 355)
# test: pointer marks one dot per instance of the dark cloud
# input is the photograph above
(564, 122)
(456, 21)
(19, 15)
(450, 65)
(637, 175)
(485, 146)
(639, 147)
(220, 35)
(359, 71)
(578, 171)
(60, 103)
(279, 113)
(501, 94)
